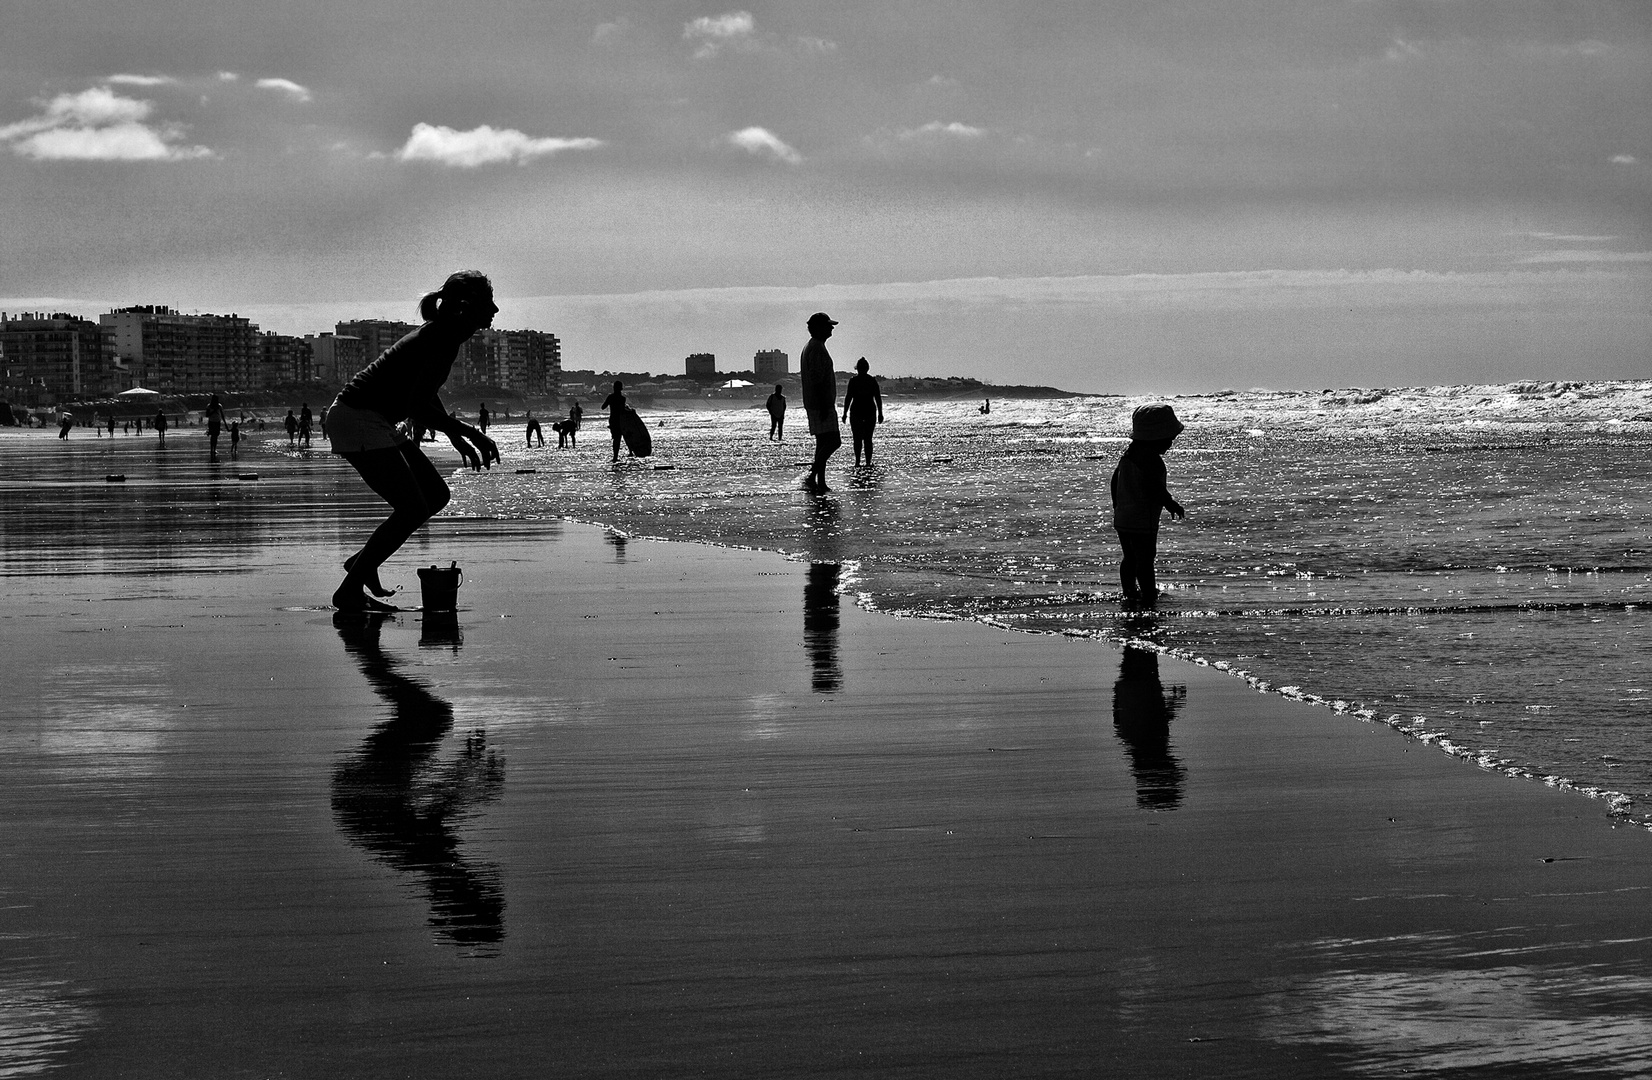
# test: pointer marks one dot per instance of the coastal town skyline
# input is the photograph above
(1120, 198)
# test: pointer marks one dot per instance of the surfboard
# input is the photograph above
(635, 434)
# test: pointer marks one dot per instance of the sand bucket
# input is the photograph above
(440, 588)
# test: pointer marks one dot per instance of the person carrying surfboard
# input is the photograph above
(814, 369)
(404, 384)
(615, 404)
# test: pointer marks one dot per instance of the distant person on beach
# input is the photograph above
(306, 420)
(533, 429)
(291, 424)
(215, 424)
(234, 437)
(482, 418)
(324, 421)
(1139, 493)
(160, 424)
(65, 421)
(111, 416)
(819, 398)
(404, 384)
(986, 407)
(863, 408)
(777, 415)
(616, 406)
(567, 431)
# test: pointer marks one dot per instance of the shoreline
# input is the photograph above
(671, 807)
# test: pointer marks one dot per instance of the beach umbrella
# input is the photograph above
(138, 392)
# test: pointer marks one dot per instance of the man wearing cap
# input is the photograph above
(819, 397)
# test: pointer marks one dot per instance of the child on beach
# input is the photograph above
(1139, 493)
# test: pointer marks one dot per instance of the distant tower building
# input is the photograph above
(287, 361)
(701, 365)
(175, 353)
(770, 364)
(335, 358)
(376, 335)
(58, 354)
(527, 361)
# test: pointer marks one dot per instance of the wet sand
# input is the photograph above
(647, 809)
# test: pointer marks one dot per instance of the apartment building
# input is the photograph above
(45, 357)
(171, 352)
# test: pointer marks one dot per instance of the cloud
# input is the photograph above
(737, 31)
(98, 125)
(482, 146)
(763, 142)
(141, 80)
(227, 76)
(936, 128)
(285, 86)
(1625, 159)
(1589, 257)
(609, 32)
(713, 32)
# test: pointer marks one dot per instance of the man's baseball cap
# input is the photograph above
(822, 317)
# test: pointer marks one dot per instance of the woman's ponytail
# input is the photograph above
(458, 288)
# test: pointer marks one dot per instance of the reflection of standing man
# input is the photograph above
(820, 397)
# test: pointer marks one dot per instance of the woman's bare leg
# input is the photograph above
(416, 492)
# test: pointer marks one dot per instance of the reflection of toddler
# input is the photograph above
(1139, 493)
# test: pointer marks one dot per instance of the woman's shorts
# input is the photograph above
(354, 431)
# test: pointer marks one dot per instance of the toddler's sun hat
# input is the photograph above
(1155, 422)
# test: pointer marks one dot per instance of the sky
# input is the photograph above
(1113, 196)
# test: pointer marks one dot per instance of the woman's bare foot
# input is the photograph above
(374, 585)
(345, 599)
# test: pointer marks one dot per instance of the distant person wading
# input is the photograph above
(863, 408)
(403, 384)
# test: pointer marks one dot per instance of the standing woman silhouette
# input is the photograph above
(403, 384)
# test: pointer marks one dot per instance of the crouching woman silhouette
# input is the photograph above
(403, 384)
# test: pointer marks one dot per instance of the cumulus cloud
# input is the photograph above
(1625, 159)
(141, 80)
(935, 128)
(482, 146)
(764, 143)
(98, 125)
(737, 31)
(285, 86)
(713, 32)
(227, 76)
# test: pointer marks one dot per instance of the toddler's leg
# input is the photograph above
(1136, 568)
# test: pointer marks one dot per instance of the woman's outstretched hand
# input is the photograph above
(479, 451)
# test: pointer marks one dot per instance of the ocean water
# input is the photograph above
(1471, 565)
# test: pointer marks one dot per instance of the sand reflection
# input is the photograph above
(1142, 710)
(394, 798)
(39, 1021)
(820, 598)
